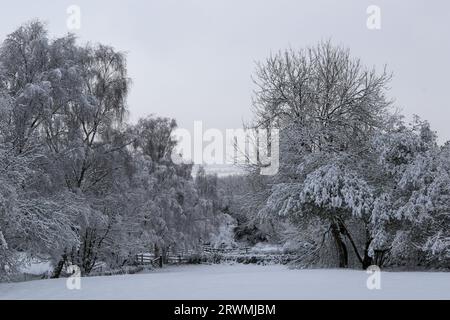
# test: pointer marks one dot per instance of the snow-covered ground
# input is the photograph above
(239, 282)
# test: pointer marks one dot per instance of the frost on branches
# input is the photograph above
(78, 184)
(412, 213)
(354, 179)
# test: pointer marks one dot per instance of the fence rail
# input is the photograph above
(232, 251)
(185, 256)
(148, 259)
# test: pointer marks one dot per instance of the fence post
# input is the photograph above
(160, 261)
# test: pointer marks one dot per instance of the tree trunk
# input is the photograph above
(367, 260)
(59, 267)
(340, 245)
(164, 253)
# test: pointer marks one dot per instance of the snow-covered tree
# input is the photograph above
(411, 214)
(35, 216)
(327, 107)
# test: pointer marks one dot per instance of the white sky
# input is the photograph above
(193, 60)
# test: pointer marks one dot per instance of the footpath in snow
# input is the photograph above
(239, 282)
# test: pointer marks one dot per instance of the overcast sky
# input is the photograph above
(193, 60)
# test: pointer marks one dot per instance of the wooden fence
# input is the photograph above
(148, 259)
(158, 262)
(230, 251)
(185, 257)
